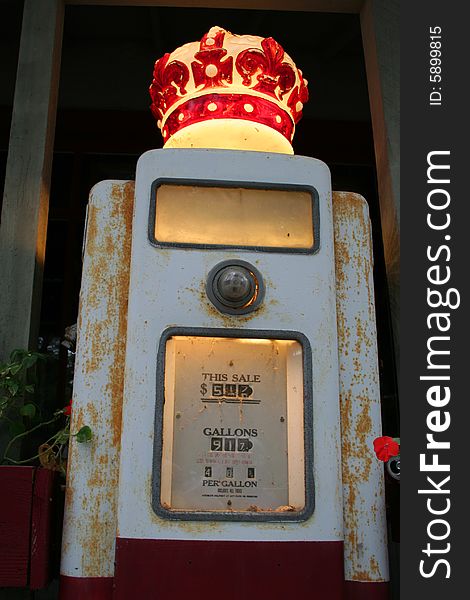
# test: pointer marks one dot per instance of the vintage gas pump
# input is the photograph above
(227, 360)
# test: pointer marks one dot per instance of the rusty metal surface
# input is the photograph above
(363, 485)
(93, 468)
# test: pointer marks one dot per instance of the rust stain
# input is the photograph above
(362, 576)
(373, 575)
(364, 423)
(374, 566)
(103, 460)
(342, 259)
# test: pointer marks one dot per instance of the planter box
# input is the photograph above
(25, 519)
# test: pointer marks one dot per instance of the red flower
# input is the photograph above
(68, 409)
(385, 447)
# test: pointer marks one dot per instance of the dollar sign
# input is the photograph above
(203, 389)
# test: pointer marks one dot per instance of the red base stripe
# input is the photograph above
(91, 588)
(357, 590)
(178, 570)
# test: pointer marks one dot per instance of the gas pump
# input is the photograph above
(226, 356)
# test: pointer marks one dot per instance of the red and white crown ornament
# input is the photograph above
(232, 91)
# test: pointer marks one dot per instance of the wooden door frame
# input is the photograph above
(23, 227)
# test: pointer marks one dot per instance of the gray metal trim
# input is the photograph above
(230, 184)
(175, 515)
(212, 294)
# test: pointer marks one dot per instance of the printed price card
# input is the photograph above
(233, 425)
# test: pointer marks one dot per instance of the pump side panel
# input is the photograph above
(365, 544)
(91, 496)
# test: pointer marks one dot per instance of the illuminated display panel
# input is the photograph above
(239, 217)
(233, 427)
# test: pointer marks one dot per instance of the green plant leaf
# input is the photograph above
(15, 368)
(13, 386)
(16, 428)
(29, 360)
(28, 410)
(84, 435)
(29, 388)
(18, 355)
(62, 437)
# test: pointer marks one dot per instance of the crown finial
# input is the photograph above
(235, 84)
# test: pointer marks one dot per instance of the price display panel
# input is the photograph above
(286, 220)
(231, 433)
